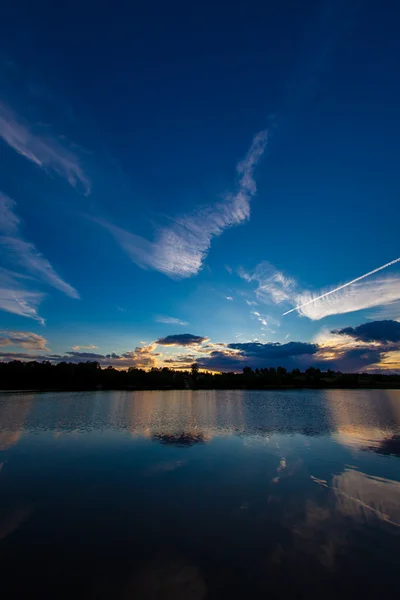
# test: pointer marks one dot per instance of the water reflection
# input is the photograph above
(367, 498)
(201, 494)
(389, 446)
(362, 418)
(182, 440)
(14, 410)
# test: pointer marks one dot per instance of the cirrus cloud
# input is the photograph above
(171, 321)
(180, 249)
(45, 151)
(25, 254)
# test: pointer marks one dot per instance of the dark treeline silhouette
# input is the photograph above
(17, 375)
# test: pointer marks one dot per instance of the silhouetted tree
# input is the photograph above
(89, 375)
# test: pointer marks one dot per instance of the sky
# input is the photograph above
(201, 182)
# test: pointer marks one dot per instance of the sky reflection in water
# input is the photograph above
(184, 494)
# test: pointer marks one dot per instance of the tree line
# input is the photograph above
(34, 375)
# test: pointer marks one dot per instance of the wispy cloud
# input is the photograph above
(260, 317)
(180, 249)
(273, 285)
(45, 151)
(229, 298)
(316, 297)
(25, 254)
(16, 299)
(358, 296)
(251, 303)
(171, 321)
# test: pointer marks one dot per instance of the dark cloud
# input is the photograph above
(86, 355)
(258, 355)
(221, 361)
(375, 331)
(181, 339)
(181, 358)
(353, 360)
(275, 350)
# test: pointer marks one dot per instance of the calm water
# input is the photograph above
(203, 494)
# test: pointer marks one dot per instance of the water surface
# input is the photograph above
(200, 494)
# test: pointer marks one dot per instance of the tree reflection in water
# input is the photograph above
(182, 439)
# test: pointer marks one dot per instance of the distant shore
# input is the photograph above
(192, 389)
(84, 376)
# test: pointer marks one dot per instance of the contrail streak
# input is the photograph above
(389, 264)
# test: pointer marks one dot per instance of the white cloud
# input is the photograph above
(25, 254)
(180, 249)
(343, 286)
(273, 285)
(229, 298)
(171, 321)
(358, 296)
(16, 299)
(78, 348)
(9, 222)
(46, 152)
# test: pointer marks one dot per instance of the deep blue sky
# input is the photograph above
(121, 130)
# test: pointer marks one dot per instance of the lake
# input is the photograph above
(200, 494)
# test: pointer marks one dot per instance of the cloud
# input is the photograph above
(180, 249)
(22, 339)
(274, 349)
(181, 339)
(25, 254)
(330, 350)
(273, 285)
(256, 354)
(45, 151)
(358, 296)
(141, 357)
(341, 287)
(251, 303)
(16, 299)
(264, 319)
(90, 347)
(368, 347)
(229, 298)
(380, 331)
(9, 222)
(171, 321)
(85, 355)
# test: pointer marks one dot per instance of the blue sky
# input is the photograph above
(173, 169)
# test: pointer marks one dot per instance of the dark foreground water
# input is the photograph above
(204, 494)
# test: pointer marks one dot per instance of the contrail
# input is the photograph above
(389, 264)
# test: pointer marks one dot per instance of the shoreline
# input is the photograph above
(197, 389)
